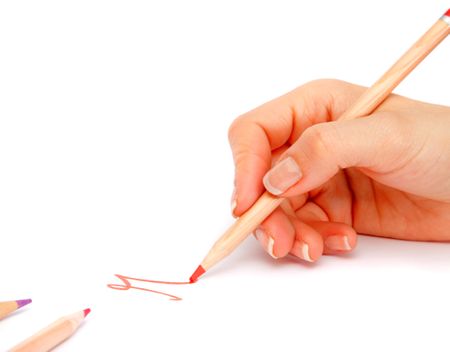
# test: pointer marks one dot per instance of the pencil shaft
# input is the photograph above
(363, 106)
(8, 307)
(381, 89)
(52, 335)
(240, 230)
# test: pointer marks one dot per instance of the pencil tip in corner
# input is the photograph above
(197, 273)
(86, 312)
(23, 302)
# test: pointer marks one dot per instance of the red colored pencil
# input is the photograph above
(52, 335)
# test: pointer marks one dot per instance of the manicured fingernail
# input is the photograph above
(338, 243)
(301, 250)
(266, 241)
(233, 202)
(282, 176)
(305, 252)
(270, 247)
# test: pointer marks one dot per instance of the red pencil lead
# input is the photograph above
(197, 273)
(86, 312)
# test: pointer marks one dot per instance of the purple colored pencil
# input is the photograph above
(8, 307)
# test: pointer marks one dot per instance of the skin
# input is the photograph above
(386, 174)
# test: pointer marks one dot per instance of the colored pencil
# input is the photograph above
(8, 307)
(52, 335)
(366, 104)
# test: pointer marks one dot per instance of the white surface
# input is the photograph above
(114, 159)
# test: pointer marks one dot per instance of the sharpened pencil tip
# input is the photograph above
(86, 312)
(197, 273)
(23, 302)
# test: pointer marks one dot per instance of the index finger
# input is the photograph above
(255, 135)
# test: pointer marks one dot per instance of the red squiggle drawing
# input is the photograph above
(127, 285)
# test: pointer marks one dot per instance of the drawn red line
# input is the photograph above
(127, 285)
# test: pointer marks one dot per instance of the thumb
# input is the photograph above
(323, 149)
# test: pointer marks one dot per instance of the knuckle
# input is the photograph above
(235, 127)
(325, 143)
(318, 138)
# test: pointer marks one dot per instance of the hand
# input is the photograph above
(386, 174)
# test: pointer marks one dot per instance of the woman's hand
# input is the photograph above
(386, 174)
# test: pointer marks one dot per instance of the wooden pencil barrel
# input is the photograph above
(381, 89)
(240, 230)
(51, 336)
(7, 308)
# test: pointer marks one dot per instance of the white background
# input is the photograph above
(114, 159)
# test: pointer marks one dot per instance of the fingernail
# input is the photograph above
(266, 241)
(301, 250)
(233, 201)
(305, 252)
(338, 243)
(282, 176)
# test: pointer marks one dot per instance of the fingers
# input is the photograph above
(331, 202)
(323, 149)
(276, 234)
(315, 238)
(280, 235)
(255, 135)
(308, 244)
(337, 237)
(252, 138)
(306, 235)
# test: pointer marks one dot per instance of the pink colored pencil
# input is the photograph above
(8, 307)
(52, 335)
